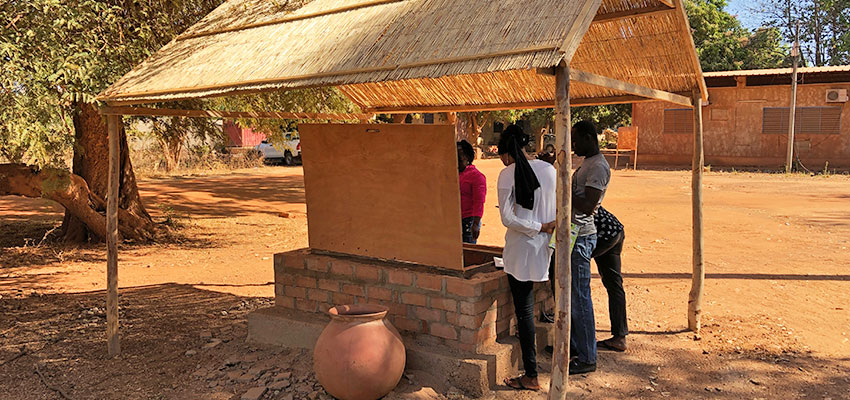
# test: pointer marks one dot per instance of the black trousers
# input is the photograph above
(608, 261)
(523, 295)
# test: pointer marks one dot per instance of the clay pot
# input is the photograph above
(359, 355)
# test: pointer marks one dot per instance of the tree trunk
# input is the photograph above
(91, 164)
(72, 192)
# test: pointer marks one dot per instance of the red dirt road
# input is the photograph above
(777, 295)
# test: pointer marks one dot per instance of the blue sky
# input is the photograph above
(740, 8)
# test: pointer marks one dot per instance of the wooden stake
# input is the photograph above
(695, 296)
(563, 278)
(113, 123)
(792, 111)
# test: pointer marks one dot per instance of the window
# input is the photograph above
(428, 117)
(679, 121)
(808, 120)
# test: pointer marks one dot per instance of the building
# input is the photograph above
(746, 121)
(238, 136)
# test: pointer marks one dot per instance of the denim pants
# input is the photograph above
(523, 295)
(583, 330)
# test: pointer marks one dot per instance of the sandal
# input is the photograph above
(607, 345)
(516, 383)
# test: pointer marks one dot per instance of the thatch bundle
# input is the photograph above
(419, 53)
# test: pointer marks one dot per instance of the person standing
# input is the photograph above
(610, 236)
(473, 191)
(527, 205)
(588, 188)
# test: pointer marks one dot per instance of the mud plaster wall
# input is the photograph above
(733, 130)
(387, 191)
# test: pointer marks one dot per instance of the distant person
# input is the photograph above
(610, 236)
(473, 191)
(548, 154)
(588, 188)
(527, 206)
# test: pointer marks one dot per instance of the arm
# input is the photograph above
(510, 220)
(587, 204)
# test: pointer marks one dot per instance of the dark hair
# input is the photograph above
(587, 129)
(511, 133)
(512, 140)
(467, 150)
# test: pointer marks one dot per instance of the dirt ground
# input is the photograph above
(776, 309)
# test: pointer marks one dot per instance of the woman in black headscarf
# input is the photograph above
(526, 191)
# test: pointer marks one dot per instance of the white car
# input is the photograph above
(288, 153)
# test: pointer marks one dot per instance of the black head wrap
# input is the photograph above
(512, 141)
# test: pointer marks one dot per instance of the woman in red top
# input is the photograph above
(473, 190)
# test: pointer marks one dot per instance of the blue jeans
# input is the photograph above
(583, 330)
(466, 229)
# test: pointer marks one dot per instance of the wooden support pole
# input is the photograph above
(792, 111)
(113, 123)
(563, 278)
(695, 296)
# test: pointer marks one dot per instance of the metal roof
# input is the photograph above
(778, 71)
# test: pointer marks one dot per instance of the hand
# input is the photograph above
(548, 227)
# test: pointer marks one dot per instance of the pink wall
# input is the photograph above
(242, 137)
(733, 130)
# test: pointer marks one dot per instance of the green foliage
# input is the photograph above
(54, 53)
(723, 44)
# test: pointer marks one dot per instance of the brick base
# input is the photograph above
(462, 313)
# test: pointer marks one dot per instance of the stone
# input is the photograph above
(280, 385)
(254, 393)
(212, 343)
(283, 376)
(191, 352)
(205, 334)
(246, 377)
(234, 375)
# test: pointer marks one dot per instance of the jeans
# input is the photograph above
(523, 295)
(607, 256)
(583, 330)
(466, 228)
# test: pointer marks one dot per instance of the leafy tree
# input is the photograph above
(824, 27)
(723, 44)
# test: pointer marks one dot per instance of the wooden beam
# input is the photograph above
(668, 3)
(627, 87)
(171, 112)
(695, 295)
(692, 49)
(113, 344)
(563, 275)
(580, 26)
(591, 101)
(633, 13)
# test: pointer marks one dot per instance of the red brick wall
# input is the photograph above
(461, 313)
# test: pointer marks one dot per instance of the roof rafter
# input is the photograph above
(172, 112)
(636, 12)
(628, 87)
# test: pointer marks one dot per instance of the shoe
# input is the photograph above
(578, 367)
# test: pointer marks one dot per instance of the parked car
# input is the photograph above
(288, 152)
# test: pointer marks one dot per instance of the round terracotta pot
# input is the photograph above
(359, 355)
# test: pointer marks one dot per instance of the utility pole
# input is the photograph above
(792, 115)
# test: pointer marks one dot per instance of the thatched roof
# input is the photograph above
(420, 53)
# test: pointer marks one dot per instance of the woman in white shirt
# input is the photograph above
(526, 191)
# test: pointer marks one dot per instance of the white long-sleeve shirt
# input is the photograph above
(527, 253)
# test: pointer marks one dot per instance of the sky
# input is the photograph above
(740, 8)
